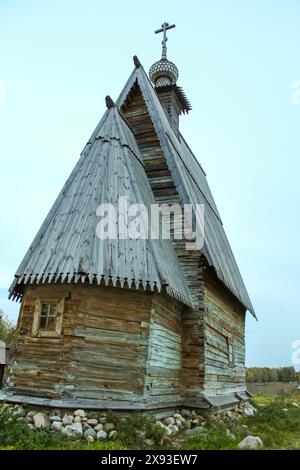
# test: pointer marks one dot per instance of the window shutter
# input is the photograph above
(36, 316)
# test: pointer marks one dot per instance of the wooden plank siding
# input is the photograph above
(163, 379)
(217, 314)
(224, 320)
(127, 348)
(164, 190)
(101, 354)
(133, 348)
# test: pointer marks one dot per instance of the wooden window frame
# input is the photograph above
(231, 356)
(56, 333)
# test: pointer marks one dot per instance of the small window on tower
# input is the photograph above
(48, 317)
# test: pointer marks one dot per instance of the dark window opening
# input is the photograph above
(48, 317)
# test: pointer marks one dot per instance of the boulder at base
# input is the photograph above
(250, 442)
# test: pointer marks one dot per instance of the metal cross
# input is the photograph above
(163, 29)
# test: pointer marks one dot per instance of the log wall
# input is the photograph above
(101, 353)
(224, 321)
(163, 380)
(164, 190)
(131, 348)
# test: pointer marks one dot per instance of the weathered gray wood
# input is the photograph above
(191, 184)
(135, 347)
(67, 249)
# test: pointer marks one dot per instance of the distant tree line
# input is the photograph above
(272, 374)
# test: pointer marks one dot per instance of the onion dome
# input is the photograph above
(163, 73)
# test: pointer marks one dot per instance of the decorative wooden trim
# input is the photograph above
(48, 334)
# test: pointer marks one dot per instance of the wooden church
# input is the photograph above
(118, 323)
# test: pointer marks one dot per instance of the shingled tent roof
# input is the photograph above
(60, 253)
(191, 184)
(66, 248)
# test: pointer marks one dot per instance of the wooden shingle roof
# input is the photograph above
(66, 248)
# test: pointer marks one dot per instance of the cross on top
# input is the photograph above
(163, 29)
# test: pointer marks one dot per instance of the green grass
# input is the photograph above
(214, 439)
(17, 435)
(278, 429)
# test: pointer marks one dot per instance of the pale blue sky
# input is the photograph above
(237, 60)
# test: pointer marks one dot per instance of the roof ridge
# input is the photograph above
(118, 129)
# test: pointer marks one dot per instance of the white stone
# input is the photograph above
(179, 417)
(169, 420)
(113, 434)
(249, 410)
(174, 429)
(89, 439)
(80, 413)
(68, 420)
(41, 420)
(56, 425)
(99, 427)
(90, 432)
(101, 434)
(73, 430)
(77, 419)
(92, 422)
(55, 418)
(250, 442)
